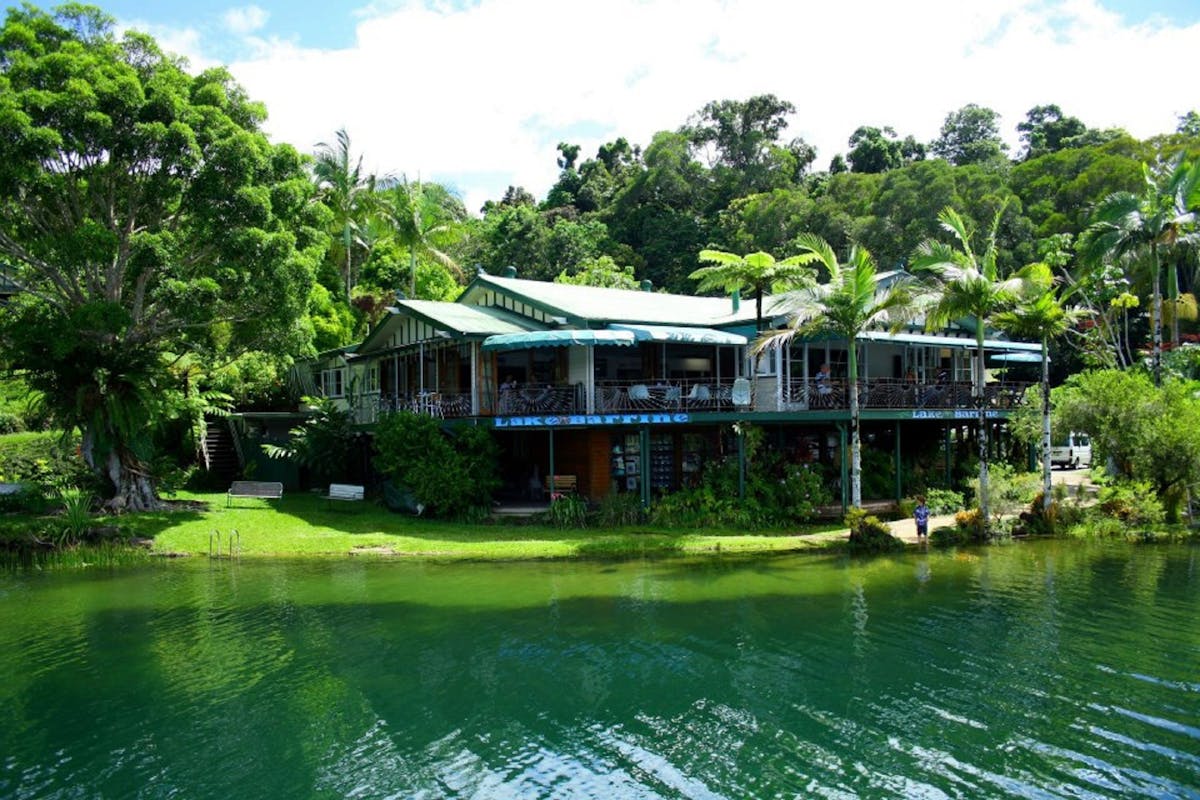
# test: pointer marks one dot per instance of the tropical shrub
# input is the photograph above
(949, 536)
(869, 534)
(617, 510)
(778, 492)
(1132, 502)
(453, 474)
(567, 511)
(44, 458)
(969, 525)
(1008, 490)
(943, 501)
(76, 516)
(321, 443)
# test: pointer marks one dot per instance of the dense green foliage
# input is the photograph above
(45, 458)
(453, 474)
(1143, 432)
(145, 214)
(777, 492)
(869, 534)
(321, 445)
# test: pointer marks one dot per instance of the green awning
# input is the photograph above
(677, 333)
(587, 338)
(930, 340)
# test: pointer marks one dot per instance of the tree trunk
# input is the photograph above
(1156, 351)
(412, 273)
(1173, 290)
(855, 440)
(983, 429)
(133, 486)
(1046, 484)
(346, 244)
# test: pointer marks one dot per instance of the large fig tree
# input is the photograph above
(144, 215)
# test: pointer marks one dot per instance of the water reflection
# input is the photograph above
(1035, 670)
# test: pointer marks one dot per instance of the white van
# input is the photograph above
(1072, 452)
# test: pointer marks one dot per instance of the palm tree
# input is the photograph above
(849, 304)
(757, 272)
(1125, 223)
(348, 193)
(424, 216)
(1040, 315)
(967, 284)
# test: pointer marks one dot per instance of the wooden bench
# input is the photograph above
(266, 490)
(343, 491)
(561, 484)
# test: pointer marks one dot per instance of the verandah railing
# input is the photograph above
(883, 393)
(692, 396)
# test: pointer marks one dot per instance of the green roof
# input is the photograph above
(581, 305)
(459, 320)
(465, 320)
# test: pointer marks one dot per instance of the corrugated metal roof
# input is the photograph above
(466, 320)
(617, 305)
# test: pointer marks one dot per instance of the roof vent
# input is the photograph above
(509, 272)
(647, 285)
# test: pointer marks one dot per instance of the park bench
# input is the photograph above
(266, 490)
(561, 484)
(343, 491)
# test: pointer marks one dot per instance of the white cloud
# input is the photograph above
(245, 20)
(486, 92)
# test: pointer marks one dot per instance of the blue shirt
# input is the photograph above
(921, 514)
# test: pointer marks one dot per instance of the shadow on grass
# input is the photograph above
(304, 523)
(629, 545)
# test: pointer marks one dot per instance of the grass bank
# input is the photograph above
(302, 525)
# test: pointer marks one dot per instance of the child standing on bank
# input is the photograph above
(921, 517)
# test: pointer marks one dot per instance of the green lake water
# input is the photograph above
(1044, 669)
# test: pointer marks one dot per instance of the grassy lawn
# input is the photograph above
(302, 525)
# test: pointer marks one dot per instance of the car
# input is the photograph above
(1071, 452)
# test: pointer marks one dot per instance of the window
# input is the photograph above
(331, 382)
(371, 379)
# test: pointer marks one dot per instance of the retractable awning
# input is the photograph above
(678, 333)
(1018, 358)
(930, 340)
(588, 338)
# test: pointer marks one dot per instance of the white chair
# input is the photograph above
(699, 395)
(639, 396)
(741, 392)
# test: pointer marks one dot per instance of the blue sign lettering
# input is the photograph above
(591, 419)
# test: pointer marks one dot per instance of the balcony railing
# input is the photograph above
(434, 404)
(899, 394)
(625, 396)
(560, 399)
(691, 396)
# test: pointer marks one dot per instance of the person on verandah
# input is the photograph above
(508, 391)
(824, 390)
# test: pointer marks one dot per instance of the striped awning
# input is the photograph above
(567, 338)
(931, 340)
(680, 333)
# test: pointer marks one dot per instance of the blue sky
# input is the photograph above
(477, 93)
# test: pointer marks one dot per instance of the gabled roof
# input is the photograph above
(586, 306)
(460, 321)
